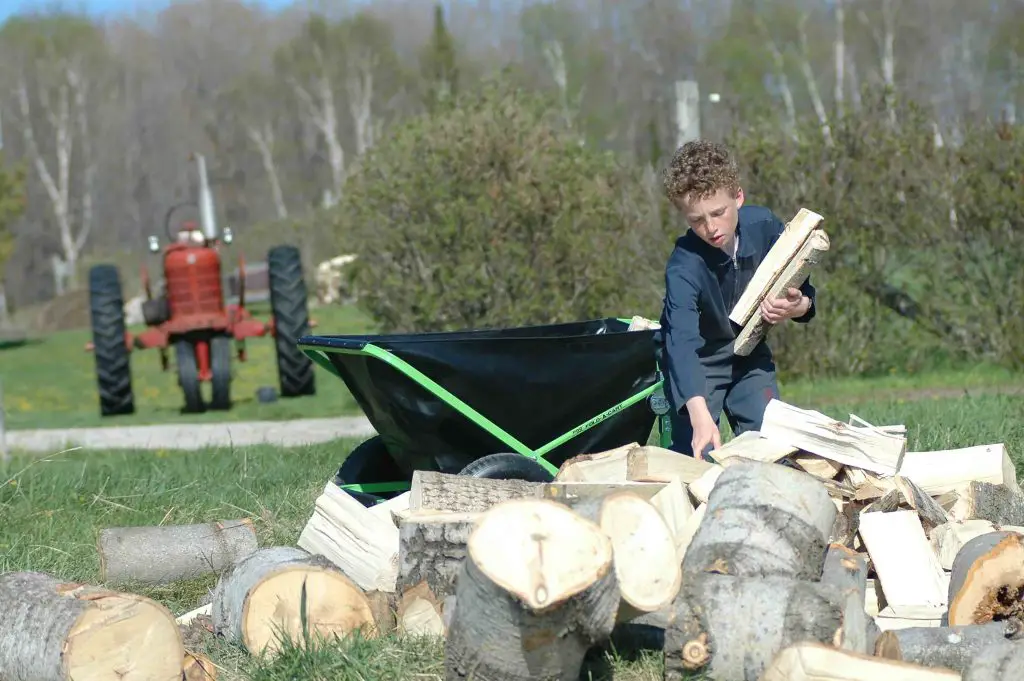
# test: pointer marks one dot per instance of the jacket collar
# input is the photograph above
(716, 256)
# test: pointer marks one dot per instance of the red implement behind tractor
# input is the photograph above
(191, 316)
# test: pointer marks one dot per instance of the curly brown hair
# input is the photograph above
(699, 169)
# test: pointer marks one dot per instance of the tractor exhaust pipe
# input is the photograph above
(207, 219)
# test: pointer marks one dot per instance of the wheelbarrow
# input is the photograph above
(500, 403)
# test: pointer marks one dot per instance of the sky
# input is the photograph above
(101, 8)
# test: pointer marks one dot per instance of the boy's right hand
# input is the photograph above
(705, 430)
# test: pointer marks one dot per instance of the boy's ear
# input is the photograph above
(739, 198)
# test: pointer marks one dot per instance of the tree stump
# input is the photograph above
(52, 630)
(536, 591)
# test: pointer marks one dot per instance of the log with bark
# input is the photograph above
(846, 572)
(731, 628)
(52, 630)
(435, 491)
(793, 275)
(537, 590)
(763, 519)
(867, 448)
(647, 565)
(264, 596)
(432, 546)
(1000, 504)
(820, 662)
(948, 647)
(169, 553)
(1002, 661)
(987, 580)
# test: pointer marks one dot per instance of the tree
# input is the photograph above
(12, 204)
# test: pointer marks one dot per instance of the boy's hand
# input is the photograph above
(793, 304)
(705, 431)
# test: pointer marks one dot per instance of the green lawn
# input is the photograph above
(52, 509)
(51, 383)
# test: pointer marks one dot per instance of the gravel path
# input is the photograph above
(191, 435)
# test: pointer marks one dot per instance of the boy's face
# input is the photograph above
(714, 218)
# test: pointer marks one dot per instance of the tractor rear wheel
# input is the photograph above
(291, 321)
(220, 365)
(113, 360)
(188, 376)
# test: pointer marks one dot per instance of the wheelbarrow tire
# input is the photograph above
(113, 360)
(370, 462)
(507, 466)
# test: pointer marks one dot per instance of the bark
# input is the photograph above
(57, 631)
(846, 572)
(431, 549)
(763, 519)
(463, 494)
(1000, 661)
(169, 553)
(949, 647)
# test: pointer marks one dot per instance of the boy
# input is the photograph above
(706, 274)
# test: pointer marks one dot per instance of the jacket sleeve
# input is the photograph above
(682, 339)
(807, 288)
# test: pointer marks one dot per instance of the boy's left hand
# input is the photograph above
(780, 309)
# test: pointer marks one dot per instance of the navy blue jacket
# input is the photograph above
(702, 285)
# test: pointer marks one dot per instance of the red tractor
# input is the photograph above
(191, 316)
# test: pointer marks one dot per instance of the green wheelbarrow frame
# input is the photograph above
(654, 393)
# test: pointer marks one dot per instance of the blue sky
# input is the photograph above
(102, 7)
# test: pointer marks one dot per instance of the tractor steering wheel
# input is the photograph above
(167, 219)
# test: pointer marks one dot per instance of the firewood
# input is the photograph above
(847, 523)
(947, 539)
(198, 667)
(169, 553)
(754, 446)
(1000, 661)
(941, 471)
(1000, 504)
(383, 606)
(433, 491)
(387, 509)
(819, 434)
(647, 564)
(607, 466)
(847, 573)
(732, 627)
(537, 590)
(571, 493)
(190, 616)
(419, 612)
(655, 464)
(432, 546)
(51, 630)
(817, 466)
(916, 498)
(775, 261)
(903, 559)
(888, 502)
(702, 486)
(987, 579)
(361, 543)
(793, 275)
(263, 595)
(763, 519)
(673, 502)
(819, 662)
(949, 647)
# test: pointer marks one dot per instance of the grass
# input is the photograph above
(52, 509)
(52, 383)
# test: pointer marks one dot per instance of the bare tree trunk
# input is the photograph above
(780, 73)
(79, 88)
(323, 114)
(263, 137)
(359, 86)
(812, 83)
(840, 53)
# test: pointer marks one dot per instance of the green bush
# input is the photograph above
(486, 212)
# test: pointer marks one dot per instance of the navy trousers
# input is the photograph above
(742, 391)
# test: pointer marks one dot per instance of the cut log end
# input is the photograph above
(334, 605)
(987, 580)
(567, 553)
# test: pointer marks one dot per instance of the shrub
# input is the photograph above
(486, 212)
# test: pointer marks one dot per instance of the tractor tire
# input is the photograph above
(188, 377)
(113, 359)
(220, 366)
(507, 466)
(291, 321)
(368, 463)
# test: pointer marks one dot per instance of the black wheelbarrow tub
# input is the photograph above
(441, 400)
